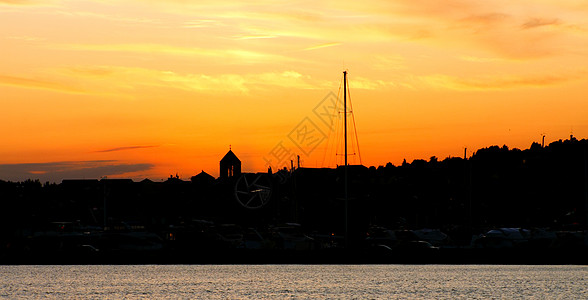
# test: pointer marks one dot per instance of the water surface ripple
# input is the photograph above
(294, 282)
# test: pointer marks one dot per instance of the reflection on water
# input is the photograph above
(295, 281)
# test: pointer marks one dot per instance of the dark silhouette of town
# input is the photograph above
(500, 205)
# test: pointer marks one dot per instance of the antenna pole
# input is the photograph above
(345, 122)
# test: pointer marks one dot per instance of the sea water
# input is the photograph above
(294, 282)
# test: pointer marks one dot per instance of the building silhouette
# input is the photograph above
(203, 178)
(230, 165)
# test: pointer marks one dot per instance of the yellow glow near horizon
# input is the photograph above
(167, 86)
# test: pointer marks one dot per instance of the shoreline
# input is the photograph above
(449, 256)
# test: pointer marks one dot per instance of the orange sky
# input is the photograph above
(146, 89)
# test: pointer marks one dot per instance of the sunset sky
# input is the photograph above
(149, 89)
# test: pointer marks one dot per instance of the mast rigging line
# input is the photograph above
(336, 144)
(353, 120)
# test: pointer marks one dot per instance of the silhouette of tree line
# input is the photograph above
(543, 187)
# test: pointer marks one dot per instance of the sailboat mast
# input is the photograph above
(345, 122)
(345, 111)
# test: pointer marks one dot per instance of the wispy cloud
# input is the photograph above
(389, 62)
(17, 2)
(500, 82)
(225, 55)
(125, 148)
(539, 22)
(478, 26)
(109, 17)
(29, 3)
(201, 23)
(480, 59)
(101, 79)
(32, 83)
(322, 46)
(255, 37)
(127, 78)
(489, 18)
(26, 38)
(57, 171)
(124, 81)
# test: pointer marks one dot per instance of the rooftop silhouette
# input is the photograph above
(474, 202)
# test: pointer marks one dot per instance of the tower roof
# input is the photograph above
(230, 157)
